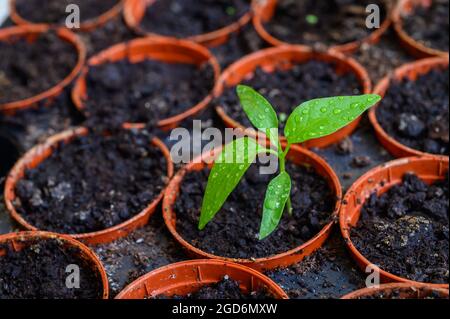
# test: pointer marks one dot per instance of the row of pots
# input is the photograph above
(168, 50)
(260, 13)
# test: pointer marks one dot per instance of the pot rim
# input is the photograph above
(64, 35)
(355, 198)
(199, 265)
(45, 150)
(43, 235)
(408, 70)
(392, 286)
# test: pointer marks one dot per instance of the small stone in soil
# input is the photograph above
(415, 113)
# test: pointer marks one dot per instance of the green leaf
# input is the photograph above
(322, 117)
(228, 169)
(277, 194)
(259, 111)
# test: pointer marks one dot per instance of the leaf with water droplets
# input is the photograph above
(277, 194)
(259, 111)
(228, 169)
(321, 117)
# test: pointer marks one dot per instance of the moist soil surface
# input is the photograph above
(93, 183)
(429, 25)
(39, 272)
(415, 113)
(185, 18)
(54, 11)
(28, 69)
(225, 289)
(288, 89)
(145, 92)
(405, 231)
(322, 23)
(234, 230)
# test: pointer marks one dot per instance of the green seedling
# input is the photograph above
(313, 119)
(312, 19)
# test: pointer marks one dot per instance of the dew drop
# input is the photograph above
(337, 111)
(354, 105)
(305, 111)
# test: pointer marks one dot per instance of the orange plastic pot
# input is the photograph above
(40, 153)
(380, 180)
(415, 48)
(31, 33)
(187, 277)
(165, 50)
(408, 71)
(19, 240)
(264, 13)
(85, 26)
(407, 291)
(297, 155)
(134, 12)
(285, 58)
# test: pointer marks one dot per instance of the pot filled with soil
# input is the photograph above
(208, 22)
(93, 13)
(91, 186)
(203, 279)
(336, 24)
(412, 118)
(395, 217)
(399, 291)
(38, 265)
(233, 234)
(36, 64)
(144, 80)
(289, 76)
(421, 25)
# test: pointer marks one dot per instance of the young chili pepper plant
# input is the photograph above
(312, 119)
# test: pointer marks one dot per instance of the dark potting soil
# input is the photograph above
(145, 92)
(93, 183)
(225, 290)
(405, 231)
(331, 22)
(239, 44)
(54, 11)
(28, 69)
(185, 18)
(429, 25)
(415, 113)
(113, 32)
(382, 58)
(28, 127)
(39, 272)
(288, 89)
(234, 230)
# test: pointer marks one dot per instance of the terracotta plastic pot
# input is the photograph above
(31, 33)
(40, 153)
(408, 71)
(188, 277)
(165, 50)
(265, 12)
(19, 241)
(417, 49)
(380, 180)
(407, 291)
(296, 155)
(285, 58)
(134, 12)
(85, 26)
